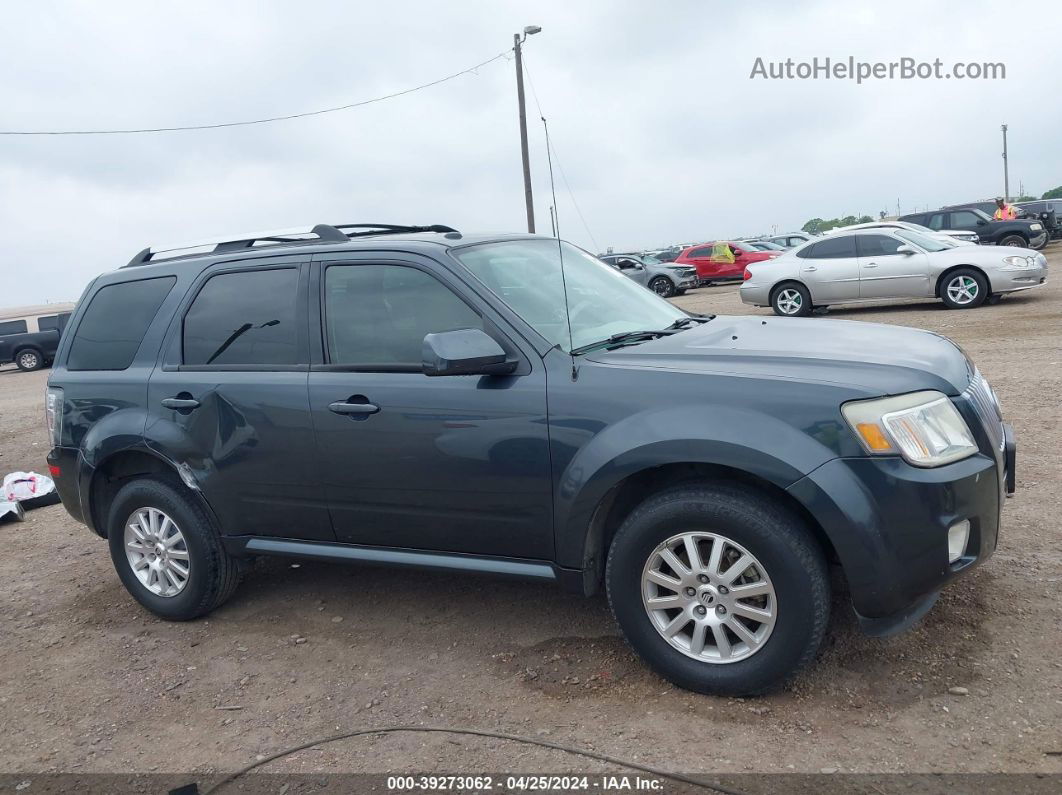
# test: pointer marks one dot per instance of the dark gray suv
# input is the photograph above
(418, 397)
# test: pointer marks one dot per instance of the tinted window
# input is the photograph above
(834, 247)
(963, 218)
(53, 321)
(878, 245)
(701, 252)
(379, 314)
(245, 318)
(936, 221)
(114, 324)
(13, 327)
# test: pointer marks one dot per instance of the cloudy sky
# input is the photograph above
(661, 133)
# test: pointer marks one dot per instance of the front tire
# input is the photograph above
(29, 360)
(662, 286)
(676, 595)
(791, 300)
(1014, 240)
(964, 288)
(166, 551)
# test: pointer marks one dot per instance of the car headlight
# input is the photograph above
(1036, 227)
(1018, 262)
(923, 427)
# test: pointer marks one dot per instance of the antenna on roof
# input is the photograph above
(555, 218)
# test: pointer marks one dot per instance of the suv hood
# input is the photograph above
(874, 358)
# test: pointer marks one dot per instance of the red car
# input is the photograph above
(722, 259)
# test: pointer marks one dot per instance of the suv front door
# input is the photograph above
(229, 398)
(453, 464)
(885, 273)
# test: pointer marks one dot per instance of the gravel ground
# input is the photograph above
(92, 683)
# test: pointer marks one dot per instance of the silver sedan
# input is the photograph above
(877, 264)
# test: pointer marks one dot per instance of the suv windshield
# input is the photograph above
(923, 241)
(602, 302)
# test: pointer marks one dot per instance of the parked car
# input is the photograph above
(790, 239)
(631, 267)
(1049, 213)
(764, 245)
(664, 254)
(876, 264)
(957, 236)
(1020, 233)
(29, 336)
(723, 259)
(666, 279)
(417, 397)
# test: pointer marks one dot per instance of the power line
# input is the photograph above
(269, 120)
(556, 156)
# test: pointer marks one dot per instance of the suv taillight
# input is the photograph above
(53, 413)
(746, 275)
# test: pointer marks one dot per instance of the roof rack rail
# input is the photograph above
(321, 233)
(386, 229)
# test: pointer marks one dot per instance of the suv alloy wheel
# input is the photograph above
(718, 588)
(662, 286)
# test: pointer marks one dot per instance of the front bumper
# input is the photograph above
(1009, 281)
(888, 522)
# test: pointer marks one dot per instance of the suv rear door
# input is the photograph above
(229, 398)
(456, 464)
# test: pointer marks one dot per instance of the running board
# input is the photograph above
(256, 545)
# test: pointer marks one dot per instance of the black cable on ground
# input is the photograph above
(474, 733)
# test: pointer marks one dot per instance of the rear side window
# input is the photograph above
(700, 252)
(12, 327)
(245, 318)
(115, 322)
(834, 248)
(53, 321)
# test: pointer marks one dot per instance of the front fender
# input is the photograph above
(733, 437)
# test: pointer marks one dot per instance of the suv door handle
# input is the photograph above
(180, 403)
(348, 407)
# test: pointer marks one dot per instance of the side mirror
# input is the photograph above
(469, 351)
(905, 250)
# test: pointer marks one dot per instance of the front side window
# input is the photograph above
(527, 276)
(878, 246)
(115, 322)
(380, 314)
(964, 218)
(246, 318)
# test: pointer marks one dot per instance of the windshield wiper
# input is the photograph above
(684, 322)
(631, 337)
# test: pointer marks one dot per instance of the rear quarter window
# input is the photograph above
(110, 333)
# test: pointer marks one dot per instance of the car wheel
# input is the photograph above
(1014, 240)
(718, 589)
(662, 286)
(166, 551)
(29, 360)
(964, 288)
(791, 300)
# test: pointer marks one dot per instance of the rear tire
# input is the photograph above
(964, 288)
(29, 360)
(211, 573)
(785, 559)
(791, 300)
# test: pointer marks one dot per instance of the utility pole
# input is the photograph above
(518, 41)
(1006, 173)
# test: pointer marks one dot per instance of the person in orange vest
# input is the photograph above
(1004, 211)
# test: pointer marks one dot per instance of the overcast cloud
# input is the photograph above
(661, 133)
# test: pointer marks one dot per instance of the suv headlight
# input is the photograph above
(1036, 227)
(923, 427)
(1018, 262)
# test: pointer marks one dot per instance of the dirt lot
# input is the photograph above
(91, 682)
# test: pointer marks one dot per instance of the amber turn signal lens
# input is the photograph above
(873, 436)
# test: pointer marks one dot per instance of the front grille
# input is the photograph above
(979, 394)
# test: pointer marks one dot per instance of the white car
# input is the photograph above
(877, 264)
(960, 237)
